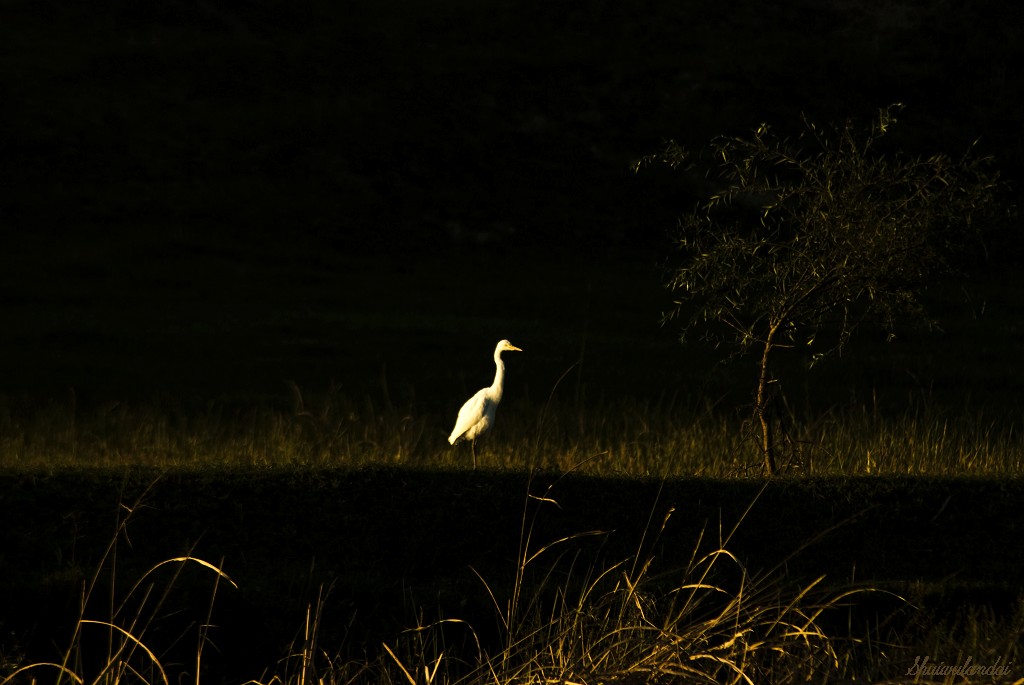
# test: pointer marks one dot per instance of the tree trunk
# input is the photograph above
(761, 408)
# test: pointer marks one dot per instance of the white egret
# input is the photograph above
(477, 414)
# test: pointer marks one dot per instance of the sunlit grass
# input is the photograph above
(708, 622)
(558, 620)
(111, 641)
(628, 438)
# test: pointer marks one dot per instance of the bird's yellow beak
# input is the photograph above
(513, 348)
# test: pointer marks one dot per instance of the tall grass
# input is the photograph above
(111, 639)
(628, 437)
(707, 622)
(560, 619)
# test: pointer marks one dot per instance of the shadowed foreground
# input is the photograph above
(391, 547)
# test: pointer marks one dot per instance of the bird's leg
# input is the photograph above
(473, 445)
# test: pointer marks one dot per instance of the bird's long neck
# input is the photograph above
(498, 386)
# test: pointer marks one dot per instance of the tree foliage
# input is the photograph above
(817, 233)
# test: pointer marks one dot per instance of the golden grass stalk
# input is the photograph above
(126, 631)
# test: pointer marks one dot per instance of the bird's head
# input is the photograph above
(506, 346)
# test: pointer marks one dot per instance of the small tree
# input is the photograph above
(817, 233)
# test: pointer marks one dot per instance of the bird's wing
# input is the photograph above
(472, 411)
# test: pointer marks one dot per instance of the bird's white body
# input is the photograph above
(477, 414)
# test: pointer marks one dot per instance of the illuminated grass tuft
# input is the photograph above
(118, 649)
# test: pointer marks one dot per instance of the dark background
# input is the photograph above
(203, 199)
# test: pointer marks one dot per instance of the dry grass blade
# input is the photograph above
(62, 669)
(135, 641)
(560, 541)
(186, 559)
(428, 674)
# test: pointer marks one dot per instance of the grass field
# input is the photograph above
(631, 438)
